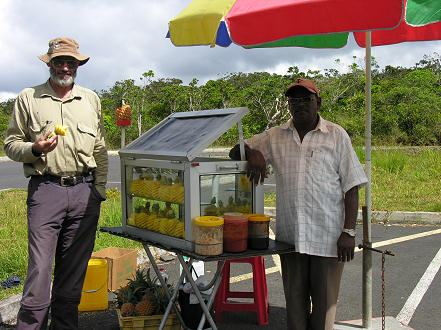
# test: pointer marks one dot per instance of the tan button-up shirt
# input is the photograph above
(312, 177)
(36, 111)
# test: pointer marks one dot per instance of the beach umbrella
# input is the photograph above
(253, 23)
(312, 24)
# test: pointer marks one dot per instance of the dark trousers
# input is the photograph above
(62, 223)
(310, 280)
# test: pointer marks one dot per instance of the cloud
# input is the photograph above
(127, 38)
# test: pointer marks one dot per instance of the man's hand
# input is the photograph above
(256, 166)
(345, 247)
(45, 144)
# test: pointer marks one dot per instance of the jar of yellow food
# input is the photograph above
(208, 235)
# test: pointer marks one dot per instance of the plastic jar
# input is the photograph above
(208, 235)
(235, 232)
(258, 231)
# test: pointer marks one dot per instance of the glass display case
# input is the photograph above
(167, 183)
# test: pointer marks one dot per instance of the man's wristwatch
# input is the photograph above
(350, 232)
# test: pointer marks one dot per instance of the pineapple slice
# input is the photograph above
(59, 130)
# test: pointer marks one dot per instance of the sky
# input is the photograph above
(126, 38)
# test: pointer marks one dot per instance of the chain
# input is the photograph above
(383, 282)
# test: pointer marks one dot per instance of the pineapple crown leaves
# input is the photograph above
(155, 208)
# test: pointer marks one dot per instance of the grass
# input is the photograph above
(402, 180)
(13, 234)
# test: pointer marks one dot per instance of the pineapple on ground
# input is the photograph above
(142, 296)
(144, 307)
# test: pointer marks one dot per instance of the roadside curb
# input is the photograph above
(9, 309)
(392, 217)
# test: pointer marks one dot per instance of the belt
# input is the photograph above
(68, 181)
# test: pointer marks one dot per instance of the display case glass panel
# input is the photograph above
(157, 201)
(222, 193)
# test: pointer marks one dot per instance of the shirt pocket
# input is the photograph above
(322, 165)
(37, 129)
(85, 140)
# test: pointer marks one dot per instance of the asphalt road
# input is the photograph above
(12, 175)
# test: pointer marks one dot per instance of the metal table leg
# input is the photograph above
(167, 292)
(205, 307)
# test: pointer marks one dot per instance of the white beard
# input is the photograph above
(62, 82)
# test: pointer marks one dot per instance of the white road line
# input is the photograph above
(417, 294)
(403, 238)
(276, 258)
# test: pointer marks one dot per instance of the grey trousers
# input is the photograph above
(62, 223)
(310, 280)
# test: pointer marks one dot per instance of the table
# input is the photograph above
(274, 247)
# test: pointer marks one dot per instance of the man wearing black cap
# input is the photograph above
(68, 176)
(317, 176)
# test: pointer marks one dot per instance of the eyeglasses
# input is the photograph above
(59, 63)
(298, 100)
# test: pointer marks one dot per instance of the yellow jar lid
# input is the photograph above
(258, 217)
(208, 221)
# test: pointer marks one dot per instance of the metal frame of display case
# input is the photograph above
(176, 143)
(192, 199)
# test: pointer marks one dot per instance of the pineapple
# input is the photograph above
(230, 206)
(245, 183)
(136, 186)
(211, 209)
(179, 230)
(155, 221)
(123, 112)
(155, 186)
(142, 296)
(144, 307)
(171, 223)
(178, 191)
(221, 209)
(127, 309)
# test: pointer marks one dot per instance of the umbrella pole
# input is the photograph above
(367, 254)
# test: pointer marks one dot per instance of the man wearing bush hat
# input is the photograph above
(68, 174)
(317, 179)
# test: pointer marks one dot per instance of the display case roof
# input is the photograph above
(184, 135)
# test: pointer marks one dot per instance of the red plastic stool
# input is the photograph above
(259, 294)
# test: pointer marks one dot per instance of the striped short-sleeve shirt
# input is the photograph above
(312, 177)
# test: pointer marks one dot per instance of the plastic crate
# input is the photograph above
(151, 322)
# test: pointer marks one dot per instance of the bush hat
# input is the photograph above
(306, 83)
(63, 47)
